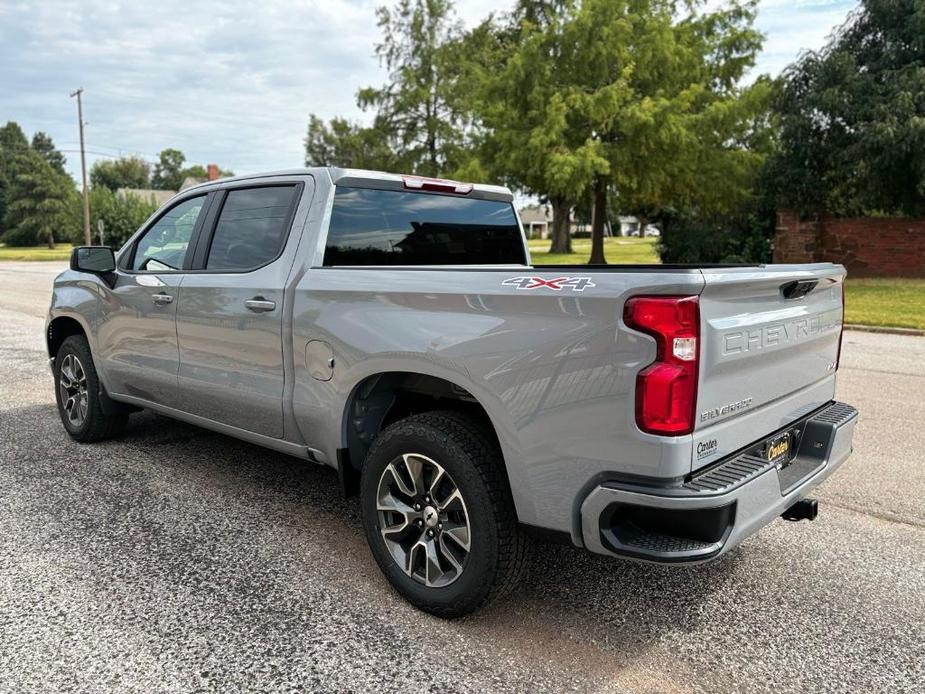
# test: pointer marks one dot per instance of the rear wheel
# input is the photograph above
(438, 514)
(77, 391)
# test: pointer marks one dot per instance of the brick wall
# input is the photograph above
(868, 247)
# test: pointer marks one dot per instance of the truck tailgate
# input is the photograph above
(769, 346)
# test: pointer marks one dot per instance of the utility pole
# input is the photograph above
(83, 167)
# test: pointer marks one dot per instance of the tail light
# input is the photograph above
(666, 390)
(841, 333)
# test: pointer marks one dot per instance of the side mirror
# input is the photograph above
(98, 260)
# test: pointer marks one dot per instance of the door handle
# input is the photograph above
(260, 305)
(162, 299)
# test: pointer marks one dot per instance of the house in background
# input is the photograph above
(161, 196)
(213, 173)
(629, 226)
(537, 222)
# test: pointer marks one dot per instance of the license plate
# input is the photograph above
(778, 450)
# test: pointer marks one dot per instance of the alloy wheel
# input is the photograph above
(72, 384)
(423, 520)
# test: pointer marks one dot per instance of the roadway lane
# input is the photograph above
(175, 559)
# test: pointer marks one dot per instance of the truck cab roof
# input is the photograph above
(363, 178)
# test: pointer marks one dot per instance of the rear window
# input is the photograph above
(251, 228)
(386, 227)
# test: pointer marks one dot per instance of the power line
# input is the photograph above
(128, 152)
(104, 154)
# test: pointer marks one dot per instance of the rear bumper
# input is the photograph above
(716, 509)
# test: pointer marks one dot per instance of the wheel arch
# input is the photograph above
(62, 326)
(379, 399)
(59, 329)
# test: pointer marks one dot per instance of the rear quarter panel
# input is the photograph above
(554, 370)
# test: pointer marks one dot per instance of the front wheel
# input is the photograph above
(77, 391)
(438, 513)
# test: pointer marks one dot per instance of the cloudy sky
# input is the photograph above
(233, 83)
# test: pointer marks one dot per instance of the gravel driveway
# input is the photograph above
(175, 559)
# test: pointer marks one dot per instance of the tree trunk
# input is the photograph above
(561, 233)
(598, 218)
(51, 241)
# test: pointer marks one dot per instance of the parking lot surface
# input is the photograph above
(175, 559)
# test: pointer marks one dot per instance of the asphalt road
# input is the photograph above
(175, 559)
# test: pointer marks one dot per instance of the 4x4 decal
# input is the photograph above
(575, 284)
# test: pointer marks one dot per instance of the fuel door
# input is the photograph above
(319, 359)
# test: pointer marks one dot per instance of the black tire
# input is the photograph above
(470, 455)
(95, 425)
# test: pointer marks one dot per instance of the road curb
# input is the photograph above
(888, 331)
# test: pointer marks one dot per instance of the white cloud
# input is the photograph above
(792, 27)
(234, 83)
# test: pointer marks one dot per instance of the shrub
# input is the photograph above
(122, 215)
(689, 238)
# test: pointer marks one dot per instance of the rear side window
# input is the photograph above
(386, 227)
(251, 228)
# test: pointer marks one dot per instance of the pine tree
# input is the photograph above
(12, 143)
(418, 109)
(44, 145)
(39, 202)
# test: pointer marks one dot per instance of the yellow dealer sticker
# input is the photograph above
(779, 449)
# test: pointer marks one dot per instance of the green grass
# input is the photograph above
(618, 251)
(895, 303)
(61, 251)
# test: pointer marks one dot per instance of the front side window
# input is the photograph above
(251, 228)
(164, 245)
(389, 227)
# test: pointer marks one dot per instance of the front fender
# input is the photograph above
(77, 296)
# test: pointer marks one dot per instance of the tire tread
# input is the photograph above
(470, 436)
(99, 425)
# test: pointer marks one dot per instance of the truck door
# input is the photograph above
(137, 333)
(230, 316)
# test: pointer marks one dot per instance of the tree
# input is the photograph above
(12, 143)
(124, 172)
(43, 144)
(653, 88)
(341, 143)
(39, 202)
(122, 214)
(852, 117)
(12, 138)
(199, 171)
(637, 99)
(521, 102)
(168, 171)
(417, 109)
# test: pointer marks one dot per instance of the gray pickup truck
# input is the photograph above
(394, 328)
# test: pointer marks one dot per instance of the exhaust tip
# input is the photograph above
(804, 509)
